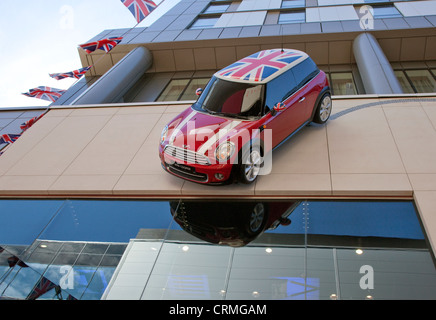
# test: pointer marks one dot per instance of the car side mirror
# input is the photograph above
(277, 108)
(199, 91)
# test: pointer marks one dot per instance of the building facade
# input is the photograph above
(347, 211)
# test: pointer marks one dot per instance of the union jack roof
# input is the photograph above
(262, 66)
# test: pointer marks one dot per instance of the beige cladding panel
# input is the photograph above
(362, 142)
(55, 152)
(112, 149)
(391, 144)
(379, 147)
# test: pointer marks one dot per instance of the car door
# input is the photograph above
(284, 89)
(303, 73)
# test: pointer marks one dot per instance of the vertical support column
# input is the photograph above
(375, 70)
(119, 79)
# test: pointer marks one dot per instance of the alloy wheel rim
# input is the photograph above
(326, 108)
(256, 217)
(252, 167)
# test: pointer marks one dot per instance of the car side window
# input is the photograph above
(304, 71)
(279, 89)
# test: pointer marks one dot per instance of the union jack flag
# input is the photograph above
(45, 93)
(13, 261)
(260, 65)
(140, 8)
(72, 74)
(26, 125)
(9, 138)
(103, 44)
(44, 285)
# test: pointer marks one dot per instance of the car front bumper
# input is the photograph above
(205, 174)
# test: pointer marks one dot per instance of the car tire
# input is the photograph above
(251, 163)
(256, 219)
(323, 109)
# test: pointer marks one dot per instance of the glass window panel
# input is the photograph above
(292, 17)
(387, 11)
(20, 283)
(98, 284)
(194, 84)
(305, 71)
(202, 23)
(110, 260)
(83, 275)
(293, 3)
(405, 85)
(100, 221)
(422, 80)
(173, 91)
(434, 72)
(116, 249)
(342, 83)
(279, 86)
(72, 247)
(394, 274)
(26, 218)
(216, 8)
(97, 248)
(65, 259)
(303, 250)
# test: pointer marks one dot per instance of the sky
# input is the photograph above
(42, 36)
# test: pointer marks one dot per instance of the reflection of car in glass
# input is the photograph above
(232, 223)
(223, 136)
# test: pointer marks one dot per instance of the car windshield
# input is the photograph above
(231, 99)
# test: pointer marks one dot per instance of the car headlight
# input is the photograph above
(224, 151)
(163, 135)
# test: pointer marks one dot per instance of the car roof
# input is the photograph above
(262, 66)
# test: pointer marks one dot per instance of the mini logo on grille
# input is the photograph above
(186, 146)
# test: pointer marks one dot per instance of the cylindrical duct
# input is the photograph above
(375, 70)
(118, 80)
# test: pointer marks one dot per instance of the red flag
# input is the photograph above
(13, 261)
(45, 93)
(9, 138)
(104, 44)
(139, 8)
(43, 286)
(26, 125)
(77, 74)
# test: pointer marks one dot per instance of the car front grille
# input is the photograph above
(186, 155)
(186, 172)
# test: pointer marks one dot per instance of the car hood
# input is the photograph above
(201, 132)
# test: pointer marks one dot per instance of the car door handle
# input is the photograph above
(302, 99)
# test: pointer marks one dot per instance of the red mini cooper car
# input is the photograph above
(245, 111)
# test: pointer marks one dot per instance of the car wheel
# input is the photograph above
(323, 110)
(257, 218)
(250, 166)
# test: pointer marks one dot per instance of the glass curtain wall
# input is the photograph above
(188, 249)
